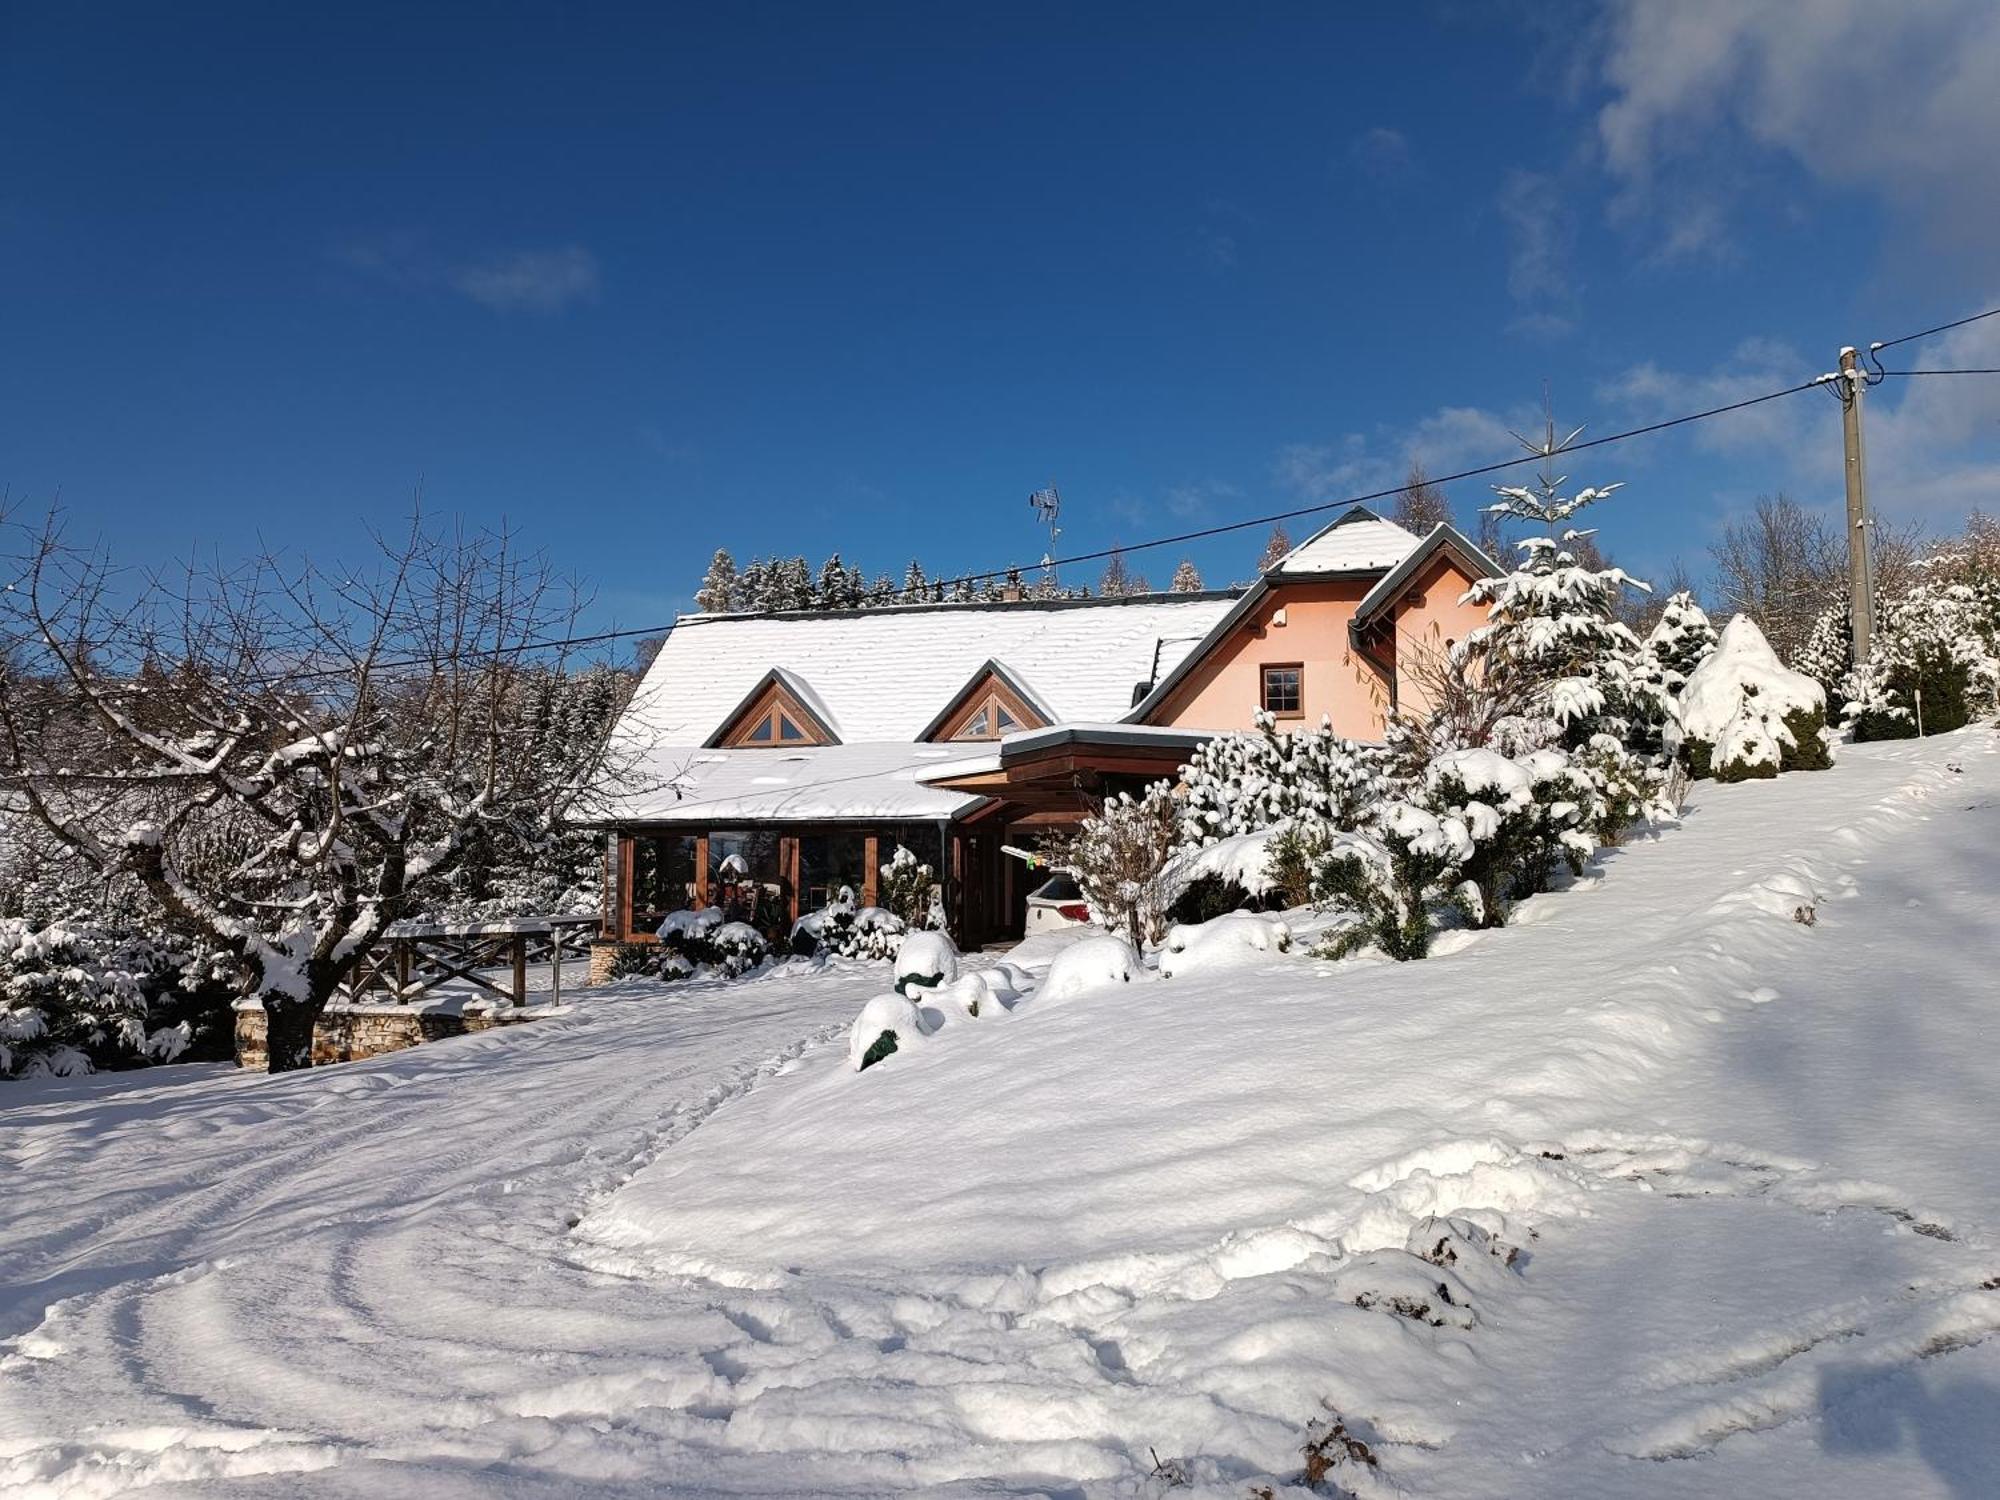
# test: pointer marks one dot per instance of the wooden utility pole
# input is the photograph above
(1860, 563)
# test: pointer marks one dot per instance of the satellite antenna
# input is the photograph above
(1047, 504)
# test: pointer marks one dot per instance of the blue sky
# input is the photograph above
(804, 278)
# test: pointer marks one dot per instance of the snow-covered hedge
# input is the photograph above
(698, 941)
(887, 1024)
(1744, 714)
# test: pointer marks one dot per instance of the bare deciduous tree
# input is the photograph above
(287, 758)
(1420, 505)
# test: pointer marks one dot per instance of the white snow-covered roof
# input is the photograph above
(883, 674)
(1359, 541)
(682, 784)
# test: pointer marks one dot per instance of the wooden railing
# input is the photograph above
(414, 958)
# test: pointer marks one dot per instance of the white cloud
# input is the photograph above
(1449, 439)
(1933, 443)
(1898, 100)
(540, 281)
(1381, 151)
(1541, 236)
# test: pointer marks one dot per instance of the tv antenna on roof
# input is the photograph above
(1047, 504)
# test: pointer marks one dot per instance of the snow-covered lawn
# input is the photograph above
(1721, 1182)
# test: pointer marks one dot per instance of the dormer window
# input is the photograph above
(776, 713)
(991, 704)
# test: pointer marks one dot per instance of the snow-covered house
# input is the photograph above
(787, 755)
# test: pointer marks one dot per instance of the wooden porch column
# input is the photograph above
(871, 860)
(700, 870)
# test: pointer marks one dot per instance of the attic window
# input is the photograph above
(775, 718)
(988, 707)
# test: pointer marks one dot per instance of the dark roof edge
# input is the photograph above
(1217, 633)
(1441, 537)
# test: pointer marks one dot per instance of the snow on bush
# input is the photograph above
(1935, 652)
(907, 887)
(1229, 941)
(1120, 858)
(1095, 963)
(1245, 783)
(691, 941)
(1745, 714)
(925, 960)
(840, 930)
(887, 1024)
(59, 1004)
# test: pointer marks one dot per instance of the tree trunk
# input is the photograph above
(288, 1033)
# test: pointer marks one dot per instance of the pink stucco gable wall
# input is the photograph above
(1429, 619)
(1224, 690)
(1307, 623)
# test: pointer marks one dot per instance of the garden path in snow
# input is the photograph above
(1664, 1190)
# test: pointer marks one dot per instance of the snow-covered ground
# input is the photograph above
(1661, 1191)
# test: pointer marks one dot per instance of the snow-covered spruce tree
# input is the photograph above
(1240, 783)
(719, 588)
(1555, 616)
(1827, 654)
(1683, 639)
(357, 722)
(1744, 714)
(1186, 579)
(1935, 656)
(1120, 858)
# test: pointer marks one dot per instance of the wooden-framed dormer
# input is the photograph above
(779, 713)
(992, 703)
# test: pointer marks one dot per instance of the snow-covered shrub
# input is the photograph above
(1936, 648)
(1745, 714)
(887, 1024)
(1094, 963)
(1493, 799)
(905, 888)
(1120, 858)
(736, 948)
(1393, 878)
(1241, 783)
(694, 940)
(925, 959)
(840, 930)
(1229, 941)
(1208, 896)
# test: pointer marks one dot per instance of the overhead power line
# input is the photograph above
(1991, 312)
(604, 637)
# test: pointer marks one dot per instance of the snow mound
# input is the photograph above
(1093, 964)
(1737, 701)
(926, 958)
(1235, 939)
(886, 1015)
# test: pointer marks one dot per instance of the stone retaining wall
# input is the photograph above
(348, 1034)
